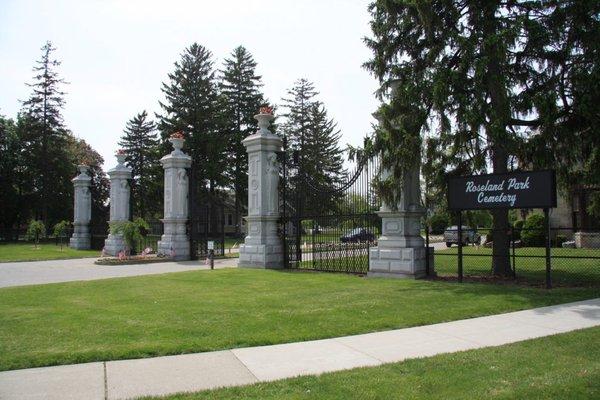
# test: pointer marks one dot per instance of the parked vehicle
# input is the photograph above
(469, 236)
(358, 235)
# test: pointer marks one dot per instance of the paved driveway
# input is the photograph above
(84, 269)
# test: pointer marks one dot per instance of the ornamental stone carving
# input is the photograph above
(119, 204)
(262, 247)
(175, 242)
(82, 210)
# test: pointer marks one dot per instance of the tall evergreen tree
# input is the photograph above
(241, 98)
(82, 153)
(479, 78)
(191, 106)
(140, 143)
(315, 137)
(9, 169)
(45, 138)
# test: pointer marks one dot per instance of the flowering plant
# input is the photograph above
(177, 135)
(266, 110)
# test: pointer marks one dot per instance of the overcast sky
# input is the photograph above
(116, 54)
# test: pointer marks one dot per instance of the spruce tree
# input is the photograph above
(241, 99)
(314, 136)
(140, 143)
(9, 169)
(192, 106)
(44, 138)
(480, 79)
(82, 153)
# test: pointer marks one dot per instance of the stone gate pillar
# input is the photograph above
(83, 210)
(262, 248)
(119, 203)
(175, 242)
(401, 252)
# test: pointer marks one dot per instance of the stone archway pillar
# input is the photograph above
(262, 248)
(83, 210)
(175, 242)
(119, 204)
(400, 252)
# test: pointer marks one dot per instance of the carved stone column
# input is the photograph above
(262, 248)
(400, 252)
(83, 210)
(175, 242)
(119, 204)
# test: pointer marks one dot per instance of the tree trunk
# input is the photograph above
(499, 117)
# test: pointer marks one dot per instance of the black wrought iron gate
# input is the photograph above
(328, 226)
(206, 218)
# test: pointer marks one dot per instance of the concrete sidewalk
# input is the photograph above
(194, 372)
(84, 269)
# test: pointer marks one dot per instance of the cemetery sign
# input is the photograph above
(522, 189)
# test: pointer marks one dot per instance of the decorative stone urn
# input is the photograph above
(262, 248)
(175, 242)
(82, 210)
(119, 204)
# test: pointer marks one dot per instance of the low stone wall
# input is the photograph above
(587, 240)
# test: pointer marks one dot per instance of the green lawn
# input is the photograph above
(45, 251)
(565, 366)
(565, 271)
(210, 310)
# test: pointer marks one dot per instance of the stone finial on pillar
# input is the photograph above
(262, 247)
(83, 210)
(175, 242)
(119, 203)
(400, 251)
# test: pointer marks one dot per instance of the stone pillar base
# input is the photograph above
(114, 244)
(261, 256)
(176, 247)
(81, 237)
(80, 242)
(400, 262)
(175, 243)
(587, 240)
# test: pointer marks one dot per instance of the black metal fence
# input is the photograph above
(540, 257)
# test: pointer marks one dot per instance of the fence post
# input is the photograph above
(427, 249)
(460, 255)
(548, 262)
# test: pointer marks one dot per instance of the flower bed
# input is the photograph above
(131, 260)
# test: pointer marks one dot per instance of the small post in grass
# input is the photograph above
(460, 254)
(548, 263)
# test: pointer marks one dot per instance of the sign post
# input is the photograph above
(211, 253)
(519, 189)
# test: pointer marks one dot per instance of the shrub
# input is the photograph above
(534, 233)
(35, 230)
(438, 223)
(60, 231)
(132, 231)
(517, 229)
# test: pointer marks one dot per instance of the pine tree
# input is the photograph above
(82, 153)
(314, 136)
(45, 138)
(9, 169)
(191, 106)
(479, 78)
(140, 143)
(241, 99)
(297, 116)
